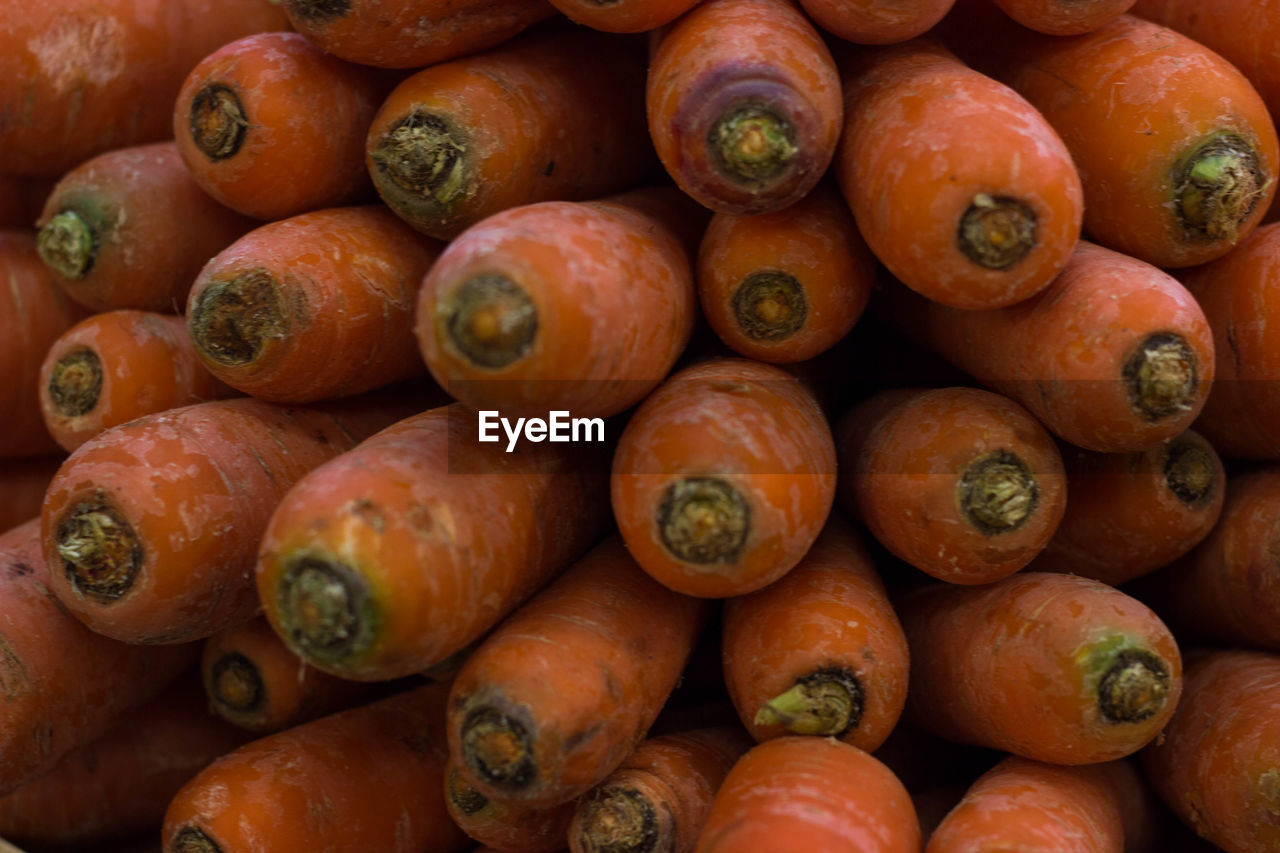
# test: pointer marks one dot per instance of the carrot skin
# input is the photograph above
(1065, 17)
(511, 827)
(624, 16)
(876, 21)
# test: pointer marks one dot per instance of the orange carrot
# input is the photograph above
(1131, 513)
(152, 526)
(558, 695)
(400, 553)
(723, 478)
(1056, 668)
(1218, 764)
(802, 794)
(113, 367)
(511, 827)
(1064, 17)
(960, 187)
(744, 104)
(876, 21)
(575, 306)
(123, 781)
(130, 229)
(961, 483)
(411, 33)
(22, 486)
(624, 16)
(555, 116)
(785, 286)
(61, 685)
(255, 682)
(1114, 356)
(819, 652)
(313, 307)
(77, 78)
(371, 778)
(271, 126)
(658, 799)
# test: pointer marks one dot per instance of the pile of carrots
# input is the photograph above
(927, 496)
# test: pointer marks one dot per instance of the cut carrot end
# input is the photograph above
(769, 306)
(1189, 473)
(326, 610)
(827, 702)
(191, 839)
(75, 383)
(67, 245)
(101, 553)
(752, 145)
(319, 11)
(424, 158)
(464, 798)
(236, 684)
(233, 322)
(490, 320)
(996, 232)
(1162, 376)
(1132, 683)
(704, 520)
(217, 122)
(497, 747)
(997, 492)
(1218, 185)
(622, 820)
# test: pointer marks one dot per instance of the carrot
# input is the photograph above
(511, 827)
(575, 306)
(1114, 356)
(785, 286)
(271, 126)
(152, 526)
(800, 794)
(960, 187)
(371, 778)
(61, 685)
(555, 116)
(1180, 175)
(313, 307)
(113, 367)
(1131, 513)
(1218, 763)
(411, 33)
(624, 16)
(33, 313)
(22, 486)
(1064, 17)
(400, 553)
(130, 229)
(77, 79)
(819, 652)
(961, 483)
(876, 21)
(658, 799)
(723, 478)
(743, 103)
(21, 200)
(558, 695)
(123, 781)
(1051, 667)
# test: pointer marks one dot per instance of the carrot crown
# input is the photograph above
(996, 232)
(191, 839)
(462, 796)
(1189, 473)
(769, 305)
(68, 244)
(319, 11)
(100, 551)
(498, 747)
(997, 492)
(217, 122)
(489, 319)
(1131, 683)
(1162, 375)
(233, 320)
(620, 819)
(827, 702)
(75, 383)
(236, 685)
(1217, 185)
(326, 610)
(423, 162)
(751, 144)
(704, 520)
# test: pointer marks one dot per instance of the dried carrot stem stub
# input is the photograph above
(876, 21)
(1055, 668)
(723, 478)
(546, 117)
(271, 126)
(387, 561)
(116, 366)
(314, 307)
(1132, 513)
(557, 696)
(131, 228)
(744, 104)
(960, 187)
(961, 483)
(136, 523)
(1064, 17)
(511, 827)
(820, 651)
(796, 794)
(370, 778)
(785, 286)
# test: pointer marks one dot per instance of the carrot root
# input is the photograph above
(704, 520)
(770, 306)
(218, 122)
(326, 611)
(496, 746)
(624, 820)
(100, 548)
(998, 492)
(232, 320)
(428, 163)
(1190, 472)
(1220, 183)
(997, 232)
(68, 245)
(752, 144)
(1134, 684)
(75, 384)
(236, 684)
(1162, 376)
(490, 319)
(826, 702)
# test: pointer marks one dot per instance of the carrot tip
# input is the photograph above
(1219, 184)
(827, 702)
(1134, 687)
(67, 245)
(490, 320)
(1162, 376)
(191, 839)
(704, 520)
(424, 158)
(996, 232)
(320, 11)
(326, 610)
(621, 820)
(233, 321)
(464, 798)
(75, 383)
(769, 306)
(997, 492)
(100, 551)
(752, 144)
(1189, 473)
(217, 122)
(236, 685)
(497, 747)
